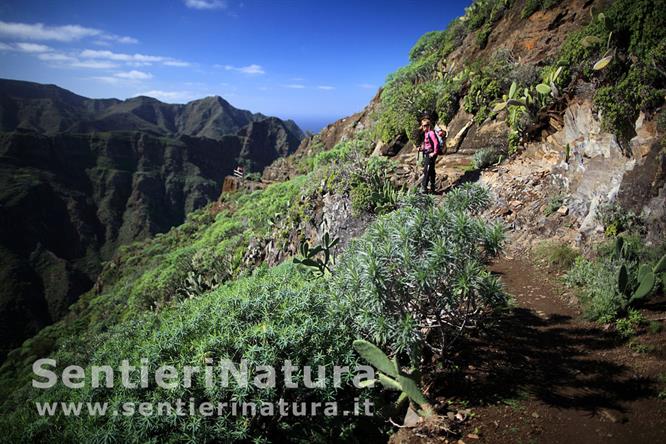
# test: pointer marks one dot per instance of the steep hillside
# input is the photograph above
(524, 302)
(86, 176)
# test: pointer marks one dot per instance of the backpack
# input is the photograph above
(440, 139)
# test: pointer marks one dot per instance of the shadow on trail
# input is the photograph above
(554, 359)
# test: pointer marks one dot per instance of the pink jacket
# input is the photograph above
(430, 143)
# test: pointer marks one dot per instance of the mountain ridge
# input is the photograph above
(65, 111)
(86, 176)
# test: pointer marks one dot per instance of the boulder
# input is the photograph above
(491, 135)
(391, 148)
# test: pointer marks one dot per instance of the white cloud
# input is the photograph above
(107, 79)
(177, 63)
(66, 33)
(63, 59)
(125, 40)
(136, 59)
(253, 69)
(134, 75)
(177, 96)
(31, 48)
(206, 4)
(119, 57)
(124, 77)
(93, 64)
(56, 57)
(326, 87)
(294, 86)
(39, 31)
(366, 86)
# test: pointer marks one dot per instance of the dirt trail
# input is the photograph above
(542, 374)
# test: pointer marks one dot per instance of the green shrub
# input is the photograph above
(402, 106)
(486, 84)
(276, 315)
(449, 93)
(556, 254)
(483, 90)
(486, 157)
(485, 12)
(455, 34)
(371, 190)
(513, 141)
(597, 288)
(532, 6)
(416, 277)
(361, 198)
(641, 89)
(421, 88)
(482, 15)
(338, 154)
(483, 34)
(441, 43)
(655, 327)
(617, 220)
(620, 278)
(429, 43)
(255, 176)
(554, 204)
(468, 197)
(628, 327)
(634, 32)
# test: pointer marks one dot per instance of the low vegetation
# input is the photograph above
(627, 46)
(624, 275)
(556, 254)
(486, 157)
(194, 294)
(417, 275)
(532, 6)
(403, 292)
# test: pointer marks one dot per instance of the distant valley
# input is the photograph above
(79, 177)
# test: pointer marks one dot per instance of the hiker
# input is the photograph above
(430, 149)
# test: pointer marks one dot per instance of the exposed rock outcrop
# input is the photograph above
(547, 193)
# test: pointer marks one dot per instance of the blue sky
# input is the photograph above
(307, 60)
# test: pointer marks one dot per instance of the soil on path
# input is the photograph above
(542, 374)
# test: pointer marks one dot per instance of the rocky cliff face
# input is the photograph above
(544, 195)
(80, 177)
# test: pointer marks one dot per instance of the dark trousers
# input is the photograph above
(428, 172)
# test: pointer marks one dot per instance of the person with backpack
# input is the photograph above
(430, 148)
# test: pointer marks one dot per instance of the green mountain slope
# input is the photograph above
(85, 176)
(410, 272)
